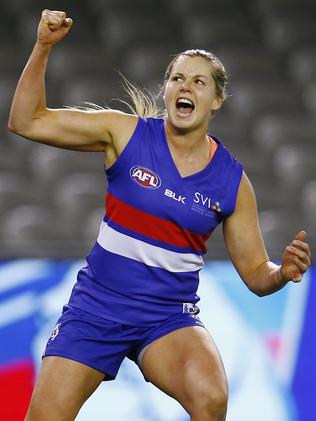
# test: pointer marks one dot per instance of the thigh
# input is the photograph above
(63, 385)
(186, 365)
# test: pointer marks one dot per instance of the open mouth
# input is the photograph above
(184, 107)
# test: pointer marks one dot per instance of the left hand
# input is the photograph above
(296, 259)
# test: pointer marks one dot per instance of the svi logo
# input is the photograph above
(145, 177)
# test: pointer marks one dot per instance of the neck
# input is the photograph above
(186, 141)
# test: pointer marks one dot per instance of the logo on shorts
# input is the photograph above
(55, 332)
(145, 177)
(189, 308)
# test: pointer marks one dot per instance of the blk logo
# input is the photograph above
(174, 196)
(145, 177)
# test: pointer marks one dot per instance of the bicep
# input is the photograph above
(87, 130)
(242, 233)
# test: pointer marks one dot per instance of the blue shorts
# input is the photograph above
(103, 344)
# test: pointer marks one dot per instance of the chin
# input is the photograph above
(182, 124)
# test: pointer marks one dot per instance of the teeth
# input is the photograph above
(185, 101)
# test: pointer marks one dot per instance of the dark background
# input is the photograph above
(52, 201)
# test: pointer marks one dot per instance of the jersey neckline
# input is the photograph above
(173, 165)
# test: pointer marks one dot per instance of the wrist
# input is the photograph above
(281, 279)
(42, 47)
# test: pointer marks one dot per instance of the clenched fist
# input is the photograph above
(53, 26)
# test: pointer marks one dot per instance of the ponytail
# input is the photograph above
(144, 103)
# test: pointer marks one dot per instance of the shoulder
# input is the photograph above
(229, 173)
(121, 121)
(246, 198)
(118, 121)
(226, 154)
(120, 126)
(226, 164)
(123, 126)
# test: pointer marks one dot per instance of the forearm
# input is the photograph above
(266, 279)
(30, 99)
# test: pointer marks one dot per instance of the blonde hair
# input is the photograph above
(219, 74)
(144, 103)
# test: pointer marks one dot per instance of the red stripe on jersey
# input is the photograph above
(151, 226)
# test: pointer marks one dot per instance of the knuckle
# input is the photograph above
(297, 261)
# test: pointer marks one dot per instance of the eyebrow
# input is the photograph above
(181, 74)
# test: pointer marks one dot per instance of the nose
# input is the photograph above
(185, 86)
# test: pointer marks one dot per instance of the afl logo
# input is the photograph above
(145, 177)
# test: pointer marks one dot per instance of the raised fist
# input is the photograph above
(53, 26)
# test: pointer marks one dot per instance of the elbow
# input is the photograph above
(14, 127)
(255, 290)
(11, 125)
(259, 293)
(19, 127)
(26, 126)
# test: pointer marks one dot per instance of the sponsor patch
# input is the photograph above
(174, 196)
(145, 177)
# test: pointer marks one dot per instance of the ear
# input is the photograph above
(217, 103)
(163, 90)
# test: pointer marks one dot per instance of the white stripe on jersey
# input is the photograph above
(124, 245)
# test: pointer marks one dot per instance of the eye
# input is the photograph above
(176, 78)
(199, 82)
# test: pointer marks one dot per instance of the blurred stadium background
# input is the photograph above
(52, 201)
(268, 49)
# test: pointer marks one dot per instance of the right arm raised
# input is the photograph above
(65, 128)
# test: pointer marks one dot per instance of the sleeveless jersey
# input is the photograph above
(145, 264)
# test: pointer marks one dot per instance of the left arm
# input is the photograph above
(246, 248)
